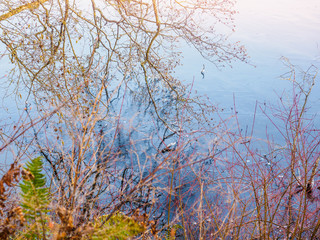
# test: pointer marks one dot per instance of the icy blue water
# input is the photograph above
(269, 30)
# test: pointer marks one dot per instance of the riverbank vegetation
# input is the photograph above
(111, 144)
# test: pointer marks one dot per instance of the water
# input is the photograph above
(269, 30)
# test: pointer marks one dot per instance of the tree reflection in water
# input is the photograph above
(119, 132)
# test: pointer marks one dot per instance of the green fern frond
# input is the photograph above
(35, 199)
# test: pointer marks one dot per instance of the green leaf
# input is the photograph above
(118, 227)
(35, 199)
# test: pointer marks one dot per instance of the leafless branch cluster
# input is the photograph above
(119, 133)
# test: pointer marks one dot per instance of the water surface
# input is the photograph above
(269, 30)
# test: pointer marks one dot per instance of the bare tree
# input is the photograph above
(97, 59)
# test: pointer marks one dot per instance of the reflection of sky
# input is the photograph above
(8, 106)
(269, 30)
(286, 27)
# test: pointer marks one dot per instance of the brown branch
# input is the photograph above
(28, 6)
